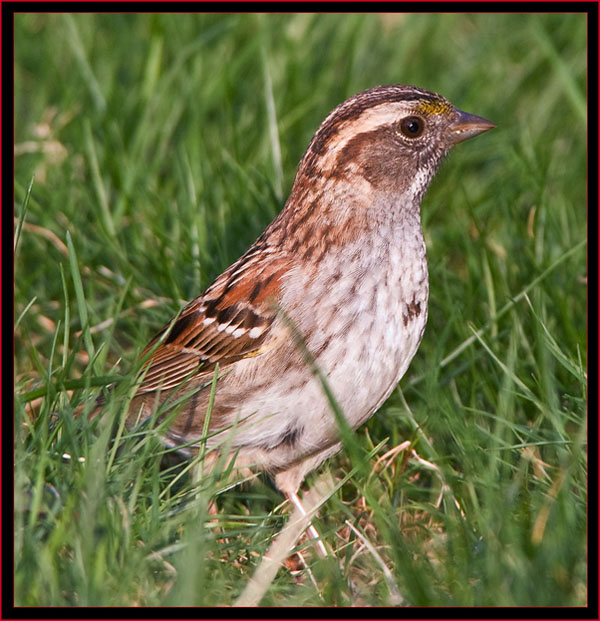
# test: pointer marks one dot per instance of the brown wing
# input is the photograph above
(229, 322)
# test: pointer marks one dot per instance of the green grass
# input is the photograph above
(159, 147)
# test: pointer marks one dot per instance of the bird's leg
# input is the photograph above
(312, 531)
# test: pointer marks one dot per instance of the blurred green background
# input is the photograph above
(151, 150)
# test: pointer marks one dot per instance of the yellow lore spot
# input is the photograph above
(438, 106)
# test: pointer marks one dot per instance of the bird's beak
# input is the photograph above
(468, 125)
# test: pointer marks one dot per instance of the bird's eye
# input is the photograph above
(412, 126)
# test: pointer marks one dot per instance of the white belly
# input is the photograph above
(367, 328)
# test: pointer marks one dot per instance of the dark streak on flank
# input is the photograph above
(411, 311)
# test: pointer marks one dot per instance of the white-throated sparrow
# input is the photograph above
(343, 266)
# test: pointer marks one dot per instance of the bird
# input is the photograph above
(333, 293)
